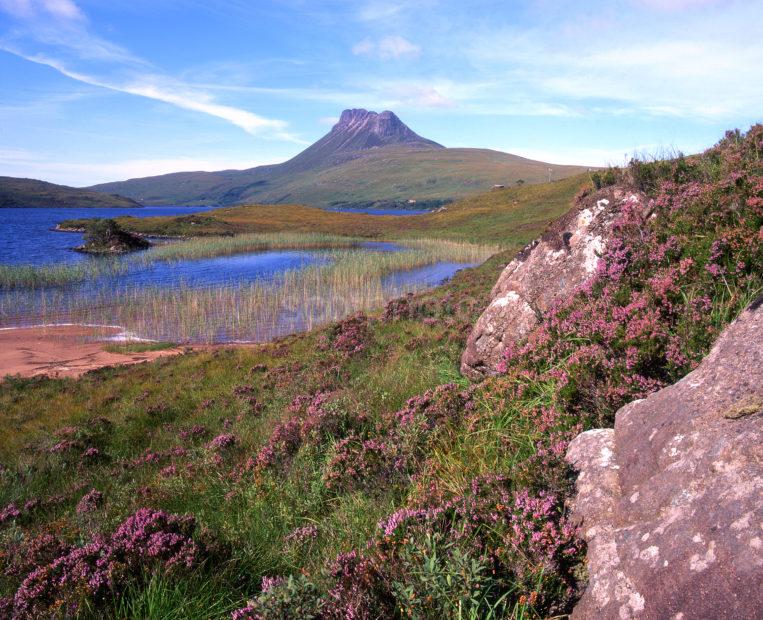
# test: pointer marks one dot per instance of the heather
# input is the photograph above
(351, 472)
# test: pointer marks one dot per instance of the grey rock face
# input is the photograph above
(671, 499)
(546, 271)
(360, 129)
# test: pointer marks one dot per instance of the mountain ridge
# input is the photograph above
(366, 158)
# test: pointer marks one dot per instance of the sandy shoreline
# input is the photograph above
(64, 350)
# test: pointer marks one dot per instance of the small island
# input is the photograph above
(107, 237)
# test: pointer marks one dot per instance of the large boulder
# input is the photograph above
(547, 270)
(671, 499)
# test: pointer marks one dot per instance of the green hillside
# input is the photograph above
(400, 174)
(15, 192)
(366, 159)
(497, 216)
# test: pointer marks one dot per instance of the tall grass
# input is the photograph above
(61, 274)
(33, 276)
(209, 247)
(294, 300)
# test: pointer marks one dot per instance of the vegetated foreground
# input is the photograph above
(351, 472)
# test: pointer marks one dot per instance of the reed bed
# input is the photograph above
(61, 274)
(209, 247)
(294, 300)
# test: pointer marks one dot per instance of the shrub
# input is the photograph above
(604, 178)
(96, 571)
(293, 597)
(350, 336)
(90, 502)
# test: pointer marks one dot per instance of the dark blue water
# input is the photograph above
(26, 236)
(217, 271)
(425, 277)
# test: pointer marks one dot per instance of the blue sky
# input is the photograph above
(102, 90)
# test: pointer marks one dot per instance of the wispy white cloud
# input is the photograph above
(59, 26)
(676, 5)
(387, 48)
(709, 70)
(581, 155)
(23, 163)
(63, 9)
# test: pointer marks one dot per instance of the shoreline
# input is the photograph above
(81, 229)
(68, 350)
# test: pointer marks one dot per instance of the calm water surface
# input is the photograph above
(26, 236)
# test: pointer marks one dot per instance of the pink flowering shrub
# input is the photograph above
(359, 590)
(23, 557)
(97, 570)
(663, 289)
(302, 534)
(445, 404)
(350, 336)
(197, 431)
(293, 597)
(90, 502)
(363, 464)
(405, 308)
(222, 442)
(9, 512)
(462, 554)
(314, 418)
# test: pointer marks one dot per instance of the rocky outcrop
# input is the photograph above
(547, 270)
(107, 237)
(671, 499)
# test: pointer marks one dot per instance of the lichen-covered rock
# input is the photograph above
(671, 500)
(547, 270)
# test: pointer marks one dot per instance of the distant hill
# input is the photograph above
(16, 192)
(366, 159)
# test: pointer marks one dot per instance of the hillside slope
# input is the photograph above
(366, 158)
(502, 216)
(18, 192)
(351, 471)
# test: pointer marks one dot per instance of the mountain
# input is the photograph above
(16, 192)
(359, 130)
(366, 159)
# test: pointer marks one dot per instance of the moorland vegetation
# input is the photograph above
(351, 472)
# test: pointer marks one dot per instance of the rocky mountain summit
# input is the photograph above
(671, 499)
(358, 130)
(548, 270)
